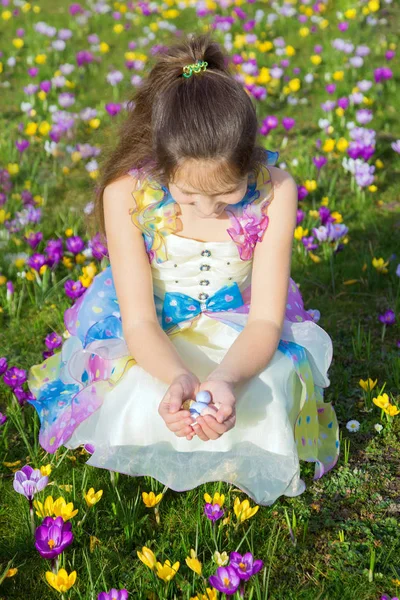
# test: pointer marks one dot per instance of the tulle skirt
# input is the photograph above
(93, 392)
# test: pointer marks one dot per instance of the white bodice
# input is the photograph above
(199, 269)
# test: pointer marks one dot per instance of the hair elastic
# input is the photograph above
(196, 67)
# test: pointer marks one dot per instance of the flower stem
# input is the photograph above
(32, 517)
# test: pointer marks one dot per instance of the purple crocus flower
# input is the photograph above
(308, 243)
(36, 261)
(75, 244)
(3, 418)
(388, 317)
(20, 395)
(213, 511)
(245, 565)
(29, 481)
(22, 145)
(53, 340)
(74, 289)
(386, 597)
(288, 123)
(319, 161)
(34, 238)
(3, 365)
(113, 108)
(14, 377)
(113, 594)
(225, 580)
(98, 249)
(53, 536)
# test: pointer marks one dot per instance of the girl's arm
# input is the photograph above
(256, 344)
(147, 341)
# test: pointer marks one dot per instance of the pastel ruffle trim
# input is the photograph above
(156, 213)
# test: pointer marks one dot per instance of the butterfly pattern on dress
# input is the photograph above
(156, 213)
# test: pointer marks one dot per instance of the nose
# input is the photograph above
(207, 210)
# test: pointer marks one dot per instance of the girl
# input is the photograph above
(197, 297)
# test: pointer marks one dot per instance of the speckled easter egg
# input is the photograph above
(203, 396)
(197, 407)
(187, 404)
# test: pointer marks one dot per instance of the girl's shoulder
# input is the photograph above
(156, 213)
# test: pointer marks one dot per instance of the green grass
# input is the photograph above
(359, 498)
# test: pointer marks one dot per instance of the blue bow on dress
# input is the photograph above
(179, 307)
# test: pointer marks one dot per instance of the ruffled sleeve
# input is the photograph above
(249, 216)
(156, 216)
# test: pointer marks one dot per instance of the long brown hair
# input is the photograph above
(172, 118)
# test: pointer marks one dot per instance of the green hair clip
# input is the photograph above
(194, 68)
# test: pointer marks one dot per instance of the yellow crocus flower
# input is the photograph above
(61, 581)
(151, 499)
(64, 510)
(381, 401)
(299, 233)
(193, 562)
(342, 144)
(337, 216)
(11, 572)
(211, 595)
(368, 384)
(221, 558)
(41, 59)
(85, 281)
(316, 59)
(44, 128)
(13, 168)
(217, 498)
(338, 75)
(92, 498)
(90, 270)
(314, 257)
(80, 258)
(310, 185)
(328, 145)
(147, 557)
(67, 262)
(243, 511)
(94, 123)
(46, 470)
(4, 216)
(391, 410)
(166, 572)
(380, 265)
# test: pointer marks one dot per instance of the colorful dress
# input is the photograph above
(93, 392)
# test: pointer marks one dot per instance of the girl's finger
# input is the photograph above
(199, 431)
(179, 425)
(186, 431)
(210, 433)
(212, 423)
(224, 412)
(181, 415)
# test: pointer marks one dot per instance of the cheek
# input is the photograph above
(178, 196)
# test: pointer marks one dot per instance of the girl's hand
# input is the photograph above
(184, 387)
(222, 393)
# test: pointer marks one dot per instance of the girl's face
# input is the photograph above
(206, 205)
